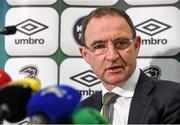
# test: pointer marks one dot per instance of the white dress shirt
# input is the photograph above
(122, 105)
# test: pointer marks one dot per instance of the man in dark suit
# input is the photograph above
(110, 46)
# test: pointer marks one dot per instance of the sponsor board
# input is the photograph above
(71, 29)
(31, 38)
(30, 2)
(159, 68)
(150, 2)
(91, 2)
(159, 30)
(43, 69)
(76, 73)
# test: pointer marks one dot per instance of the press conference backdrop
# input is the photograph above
(46, 43)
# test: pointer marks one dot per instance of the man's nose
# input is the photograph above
(112, 53)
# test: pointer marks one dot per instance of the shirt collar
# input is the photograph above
(127, 88)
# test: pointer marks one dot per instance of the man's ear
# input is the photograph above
(84, 53)
(137, 43)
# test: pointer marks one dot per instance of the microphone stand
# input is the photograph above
(3, 112)
(39, 118)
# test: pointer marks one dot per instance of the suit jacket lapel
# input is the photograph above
(94, 101)
(141, 100)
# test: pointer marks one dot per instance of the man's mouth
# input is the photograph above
(115, 69)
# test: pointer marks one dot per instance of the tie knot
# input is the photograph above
(109, 98)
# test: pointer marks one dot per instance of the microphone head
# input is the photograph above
(15, 98)
(4, 78)
(33, 83)
(88, 116)
(55, 102)
(9, 30)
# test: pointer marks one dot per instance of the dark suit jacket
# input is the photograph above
(154, 102)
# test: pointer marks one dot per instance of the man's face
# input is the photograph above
(115, 65)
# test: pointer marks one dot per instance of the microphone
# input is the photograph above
(13, 100)
(52, 104)
(86, 116)
(4, 78)
(33, 83)
(8, 30)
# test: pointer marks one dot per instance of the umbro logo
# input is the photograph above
(30, 27)
(152, 27)
(86, 78)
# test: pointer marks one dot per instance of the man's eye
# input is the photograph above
(99, 46)
(122, 43)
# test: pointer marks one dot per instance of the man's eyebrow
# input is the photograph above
(102, 41)
(120, 38)
(96, 42)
